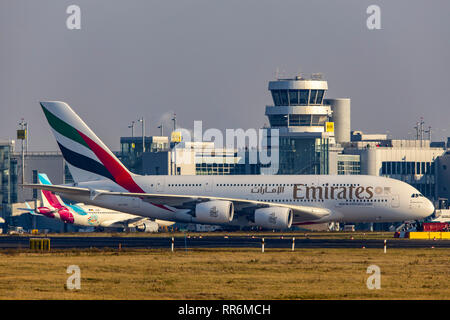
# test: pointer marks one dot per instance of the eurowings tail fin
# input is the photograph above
(49, 199)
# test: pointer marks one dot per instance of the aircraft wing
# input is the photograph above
(58, 189)
(123, 222)
(301, 213)
(29, 210)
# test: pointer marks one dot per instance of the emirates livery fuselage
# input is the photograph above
(274, 202)
(349, 198)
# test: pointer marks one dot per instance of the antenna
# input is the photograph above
(174, 119)
(429, 133)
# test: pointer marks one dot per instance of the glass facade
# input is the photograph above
(348, 164)
(224, 169)
(299, 120)
(131, 150)
(8, 180)
(407, 168)
(297, 97)
(421, 175)
(300, 155)
(312, 97)
(4, 175)
(278, 120)
(295, 120)
(67, 176)
(134, 146)
(304, 94)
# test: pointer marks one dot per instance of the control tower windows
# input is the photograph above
(299, 120)
(284, 97)
(318, 120)
(304, 97)
(312, 97)
(319, 96)
(293, 97)
(276, 97)
(278, 120)
(297, 97)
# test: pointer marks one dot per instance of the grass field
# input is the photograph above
(226, 274)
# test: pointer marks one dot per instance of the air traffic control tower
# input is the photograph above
(305, 124)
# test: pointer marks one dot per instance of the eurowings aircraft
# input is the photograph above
(90, 216)
(268, 201)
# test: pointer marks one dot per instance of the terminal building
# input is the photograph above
(164, 157)
(413, 161)
(13, 197)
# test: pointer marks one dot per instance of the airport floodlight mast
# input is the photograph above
(420, 131)
(143, 134)
(174, 119)
(22, 134)
(131, 126)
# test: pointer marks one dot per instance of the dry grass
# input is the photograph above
(227, 274)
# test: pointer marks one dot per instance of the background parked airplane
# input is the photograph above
(90, 216)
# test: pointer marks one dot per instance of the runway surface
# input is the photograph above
(63, 242)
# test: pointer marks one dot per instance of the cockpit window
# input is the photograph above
(416, 195)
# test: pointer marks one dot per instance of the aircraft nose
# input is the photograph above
(428, 208)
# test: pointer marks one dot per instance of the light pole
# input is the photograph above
(162, 130)
(174, 119)
(132, 129)
(23, 136)
(143, 133)
(26, 131)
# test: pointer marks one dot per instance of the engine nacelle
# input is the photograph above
(45, 211)
(274, 217)
(216, 211)
(65, 215)
(147, 226)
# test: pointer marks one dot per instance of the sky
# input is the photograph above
(211, 60)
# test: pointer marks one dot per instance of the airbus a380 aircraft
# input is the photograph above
(90, 216)
(274, 202)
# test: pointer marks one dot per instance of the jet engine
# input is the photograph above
(45, 211)
(147, 226)
(216, 211)
(274, 217)
(65, 215)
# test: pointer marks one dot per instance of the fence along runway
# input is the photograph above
(211, 242)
